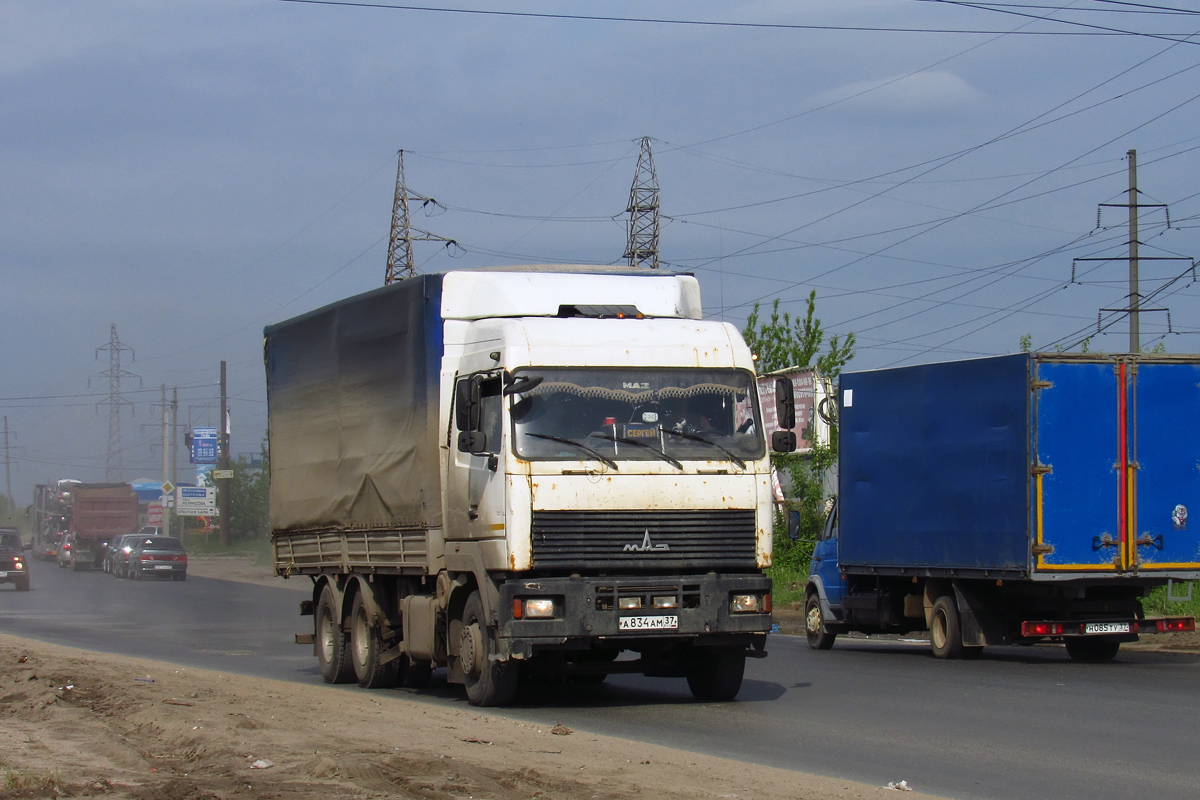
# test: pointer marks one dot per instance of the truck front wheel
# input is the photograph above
(333, 651)
(945, 633)
(715, 675)
(366, 649)
(814, 625)
(489, 682)
(1092, 651)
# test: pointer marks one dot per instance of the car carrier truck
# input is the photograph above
(1015, 499)
(551, 471)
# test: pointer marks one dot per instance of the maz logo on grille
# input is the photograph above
(646, 546)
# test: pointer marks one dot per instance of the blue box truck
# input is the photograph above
(1011, 500)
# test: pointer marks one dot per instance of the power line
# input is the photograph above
(1094, 30)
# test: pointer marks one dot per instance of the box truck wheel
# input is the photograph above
(945, 633)
(366, 648)
(488, 682)
(814, 625)
(1093, 651)
(23, 584)
(716, 674)
(333, 651)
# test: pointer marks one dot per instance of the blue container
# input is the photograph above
(1022, 466)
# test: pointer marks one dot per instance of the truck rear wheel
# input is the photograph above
(1091, 651)
(489, 682)
(945, 632)
(366, 649)
(23, 584)
(814, 625)
(333, 651)
(715, 675)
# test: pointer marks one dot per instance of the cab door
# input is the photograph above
(1165, 466)
(476, 480)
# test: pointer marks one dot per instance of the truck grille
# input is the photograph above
(644, 540)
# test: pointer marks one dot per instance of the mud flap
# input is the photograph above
(978, 628)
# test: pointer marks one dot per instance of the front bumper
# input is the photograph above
(588, 613)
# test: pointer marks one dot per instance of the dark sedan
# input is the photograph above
(13, 568)
(157, 556)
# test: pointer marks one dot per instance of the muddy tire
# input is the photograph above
(1092, 651)
(23, 584)
(489, 682)
(333, 645)
(366, 649)
(715, 675)
(945, 631)
(814, 625)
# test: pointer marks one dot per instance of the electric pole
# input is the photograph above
(7, 468)
(1135, 339)
(642, 247)
(166, 460)
(223, 484)
(114, 373)
(400, 263)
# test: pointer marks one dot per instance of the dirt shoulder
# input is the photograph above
(81, 724)
(244, 569)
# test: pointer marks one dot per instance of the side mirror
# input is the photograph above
(472, 442)
(793, 525)
(783, 441)
(785, 403)
(466, 405)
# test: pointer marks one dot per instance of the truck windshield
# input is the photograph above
(636, 414)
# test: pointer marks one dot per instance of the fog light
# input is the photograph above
(666, 602)
(539, 608)
(19, 565)
(628, 603)
(744, 604)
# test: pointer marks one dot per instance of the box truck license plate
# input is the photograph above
(1106, 627)
(657, 622)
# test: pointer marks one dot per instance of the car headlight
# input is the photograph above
(629, 603)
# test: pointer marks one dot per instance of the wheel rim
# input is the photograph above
(469, 650)
(327, 636)
(361, 637)
(812, 620)
(937, 631)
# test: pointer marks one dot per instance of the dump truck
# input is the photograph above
(558, 472)
(99, 513)
(1011, 500)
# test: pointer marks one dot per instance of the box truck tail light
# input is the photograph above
(1175, 624)
(1041, 628)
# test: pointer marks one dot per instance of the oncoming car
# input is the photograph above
(13, 568)
(157, 556)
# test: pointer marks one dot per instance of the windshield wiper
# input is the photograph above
(635, 442)
(601, 458)
(741, 464)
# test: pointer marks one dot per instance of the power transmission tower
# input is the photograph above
(1134, 309)
(400, 262)
(642, 248)
(114, 373)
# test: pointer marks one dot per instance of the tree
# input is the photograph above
(781, 343)
(249, 493)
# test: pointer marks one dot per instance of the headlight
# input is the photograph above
(539, 608)
(19, 565)
(750, 604)
(666, 602)
(629, 603)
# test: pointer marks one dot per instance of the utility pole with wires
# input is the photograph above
(400, 262)
(642, 247)
(114, 373)
(1135, 307)
(7, 468)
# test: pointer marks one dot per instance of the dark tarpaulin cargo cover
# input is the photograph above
(352, 399)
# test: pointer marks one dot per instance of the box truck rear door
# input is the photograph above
(1165, 453)
(1075, 500)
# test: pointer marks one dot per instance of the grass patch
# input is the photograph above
(1157, 604)
(787, 586)
(258, 548)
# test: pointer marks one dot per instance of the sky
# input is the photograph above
(190, 171)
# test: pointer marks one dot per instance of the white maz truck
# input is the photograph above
(555, 472)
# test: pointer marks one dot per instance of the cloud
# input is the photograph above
(921, 94)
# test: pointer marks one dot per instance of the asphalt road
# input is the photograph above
(1021, 722)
